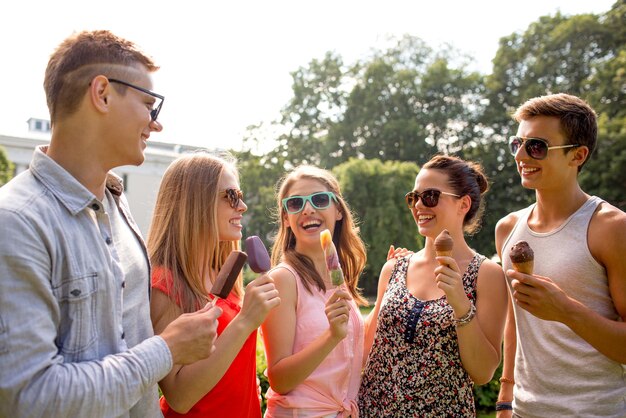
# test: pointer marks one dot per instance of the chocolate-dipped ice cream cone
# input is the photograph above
(522, 257)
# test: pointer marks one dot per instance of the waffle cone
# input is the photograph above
(526, 267)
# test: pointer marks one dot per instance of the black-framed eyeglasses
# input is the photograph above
(319, 200)
(430, 197)
(536, 148)
(154, 113)
(234, 196)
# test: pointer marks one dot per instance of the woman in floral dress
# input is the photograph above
(437, 324)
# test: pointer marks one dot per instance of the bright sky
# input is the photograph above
(226, 65)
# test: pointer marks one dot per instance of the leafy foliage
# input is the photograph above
(583, 55)
(6, 168)
(375, 193)
(259, 176)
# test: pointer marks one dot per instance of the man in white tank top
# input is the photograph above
(565, 338)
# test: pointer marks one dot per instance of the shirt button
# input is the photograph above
(95, 206)
(108, 240)
(123, 335)
(124, 284)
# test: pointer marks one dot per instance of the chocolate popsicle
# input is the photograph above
(258, 258)
(228, 274)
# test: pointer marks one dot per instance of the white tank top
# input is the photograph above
(557, 373)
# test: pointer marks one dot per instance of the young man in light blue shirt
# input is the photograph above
(75, 331)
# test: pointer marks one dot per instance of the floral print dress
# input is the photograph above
(414, 368)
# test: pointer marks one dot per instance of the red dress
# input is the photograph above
(235, 395)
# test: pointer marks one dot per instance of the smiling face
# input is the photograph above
(551, 172)
(307, 224)
(131, 123)
(229, 218)
(447, 214)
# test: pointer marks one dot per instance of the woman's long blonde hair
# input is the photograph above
(346, 237)
(183, 240)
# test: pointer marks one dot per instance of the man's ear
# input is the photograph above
(99, 92)
(579, 156)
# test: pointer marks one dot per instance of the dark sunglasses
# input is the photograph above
(430, 197)
(234, 196)
(536, 148)
(319, 200)
(154, 113)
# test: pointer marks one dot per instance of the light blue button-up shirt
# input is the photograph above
(63, 351)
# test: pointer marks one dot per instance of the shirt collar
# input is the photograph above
(70, 192)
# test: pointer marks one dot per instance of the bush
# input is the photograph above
(261, 366)
(485, 396)
(6, 168)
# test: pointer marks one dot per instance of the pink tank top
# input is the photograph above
(331, 389)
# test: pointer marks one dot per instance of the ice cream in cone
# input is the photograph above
(444, 244)
(522, 257)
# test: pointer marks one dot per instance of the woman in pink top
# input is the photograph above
(314, 339)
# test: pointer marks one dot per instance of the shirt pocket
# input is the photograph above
(76, 297)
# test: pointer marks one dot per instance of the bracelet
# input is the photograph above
(466, 319)
(504, 406)
(507, 380)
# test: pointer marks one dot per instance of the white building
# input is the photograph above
(141, 183)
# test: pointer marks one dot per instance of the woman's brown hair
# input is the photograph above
(183, 240)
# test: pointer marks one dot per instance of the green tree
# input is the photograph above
(318, 100)
(603, 174)
(403, 103)
(259, 176)
(555, 54)
(407, 104)
(6, 168)
(582, 55)
(375, 192)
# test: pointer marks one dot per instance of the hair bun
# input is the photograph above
(481, 178)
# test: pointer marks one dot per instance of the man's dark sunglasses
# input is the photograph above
(536, 148)
(430, 197)
(154, 113)
(234, 196)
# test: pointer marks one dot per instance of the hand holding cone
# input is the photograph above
(332, 258)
